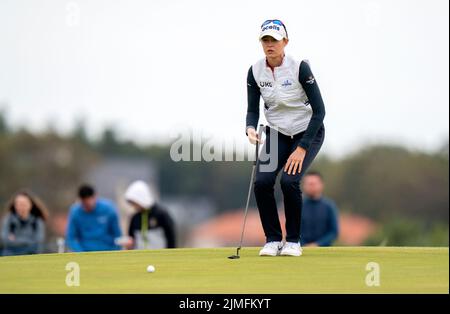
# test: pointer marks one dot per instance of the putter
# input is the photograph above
(249, 194)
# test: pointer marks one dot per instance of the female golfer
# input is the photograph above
(294, 111)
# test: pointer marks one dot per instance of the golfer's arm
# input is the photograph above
(312, 91)
(253, 96)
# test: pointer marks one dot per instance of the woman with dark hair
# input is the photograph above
(294, 111)
(23, 228)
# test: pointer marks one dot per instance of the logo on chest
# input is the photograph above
(265, 84)
(286, 83)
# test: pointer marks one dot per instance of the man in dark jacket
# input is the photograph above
(319, 225)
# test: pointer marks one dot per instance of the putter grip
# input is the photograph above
(260, 130)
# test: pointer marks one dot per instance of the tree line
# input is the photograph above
(384, 182)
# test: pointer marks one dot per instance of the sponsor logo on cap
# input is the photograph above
(275, 27)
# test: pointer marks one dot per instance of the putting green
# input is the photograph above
(319, 270)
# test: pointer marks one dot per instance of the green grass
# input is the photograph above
(319, 270)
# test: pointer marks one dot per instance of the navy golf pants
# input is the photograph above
(290, 184)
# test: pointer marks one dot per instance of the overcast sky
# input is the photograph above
(148, 67)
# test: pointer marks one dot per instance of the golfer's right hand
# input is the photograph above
(253, 136)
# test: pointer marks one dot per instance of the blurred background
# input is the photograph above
(95, 91)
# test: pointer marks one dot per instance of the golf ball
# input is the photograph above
(150, 268)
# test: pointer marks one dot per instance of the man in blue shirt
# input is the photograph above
(319, 226)
(93, 223)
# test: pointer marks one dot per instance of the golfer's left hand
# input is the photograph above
(295, 161)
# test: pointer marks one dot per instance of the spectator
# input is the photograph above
(23, 229)
(151, 226)
(93, 223)
(320, 215)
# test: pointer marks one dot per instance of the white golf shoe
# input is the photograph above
(271, 249)
(291, 249)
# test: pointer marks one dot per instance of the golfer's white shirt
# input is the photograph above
(286, 105)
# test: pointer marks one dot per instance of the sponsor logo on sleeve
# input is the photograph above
(310, 80)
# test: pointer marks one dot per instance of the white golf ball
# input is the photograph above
(150, 268)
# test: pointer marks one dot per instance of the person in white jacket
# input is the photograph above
(151, 227)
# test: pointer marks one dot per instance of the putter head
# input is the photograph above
(235, 256)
